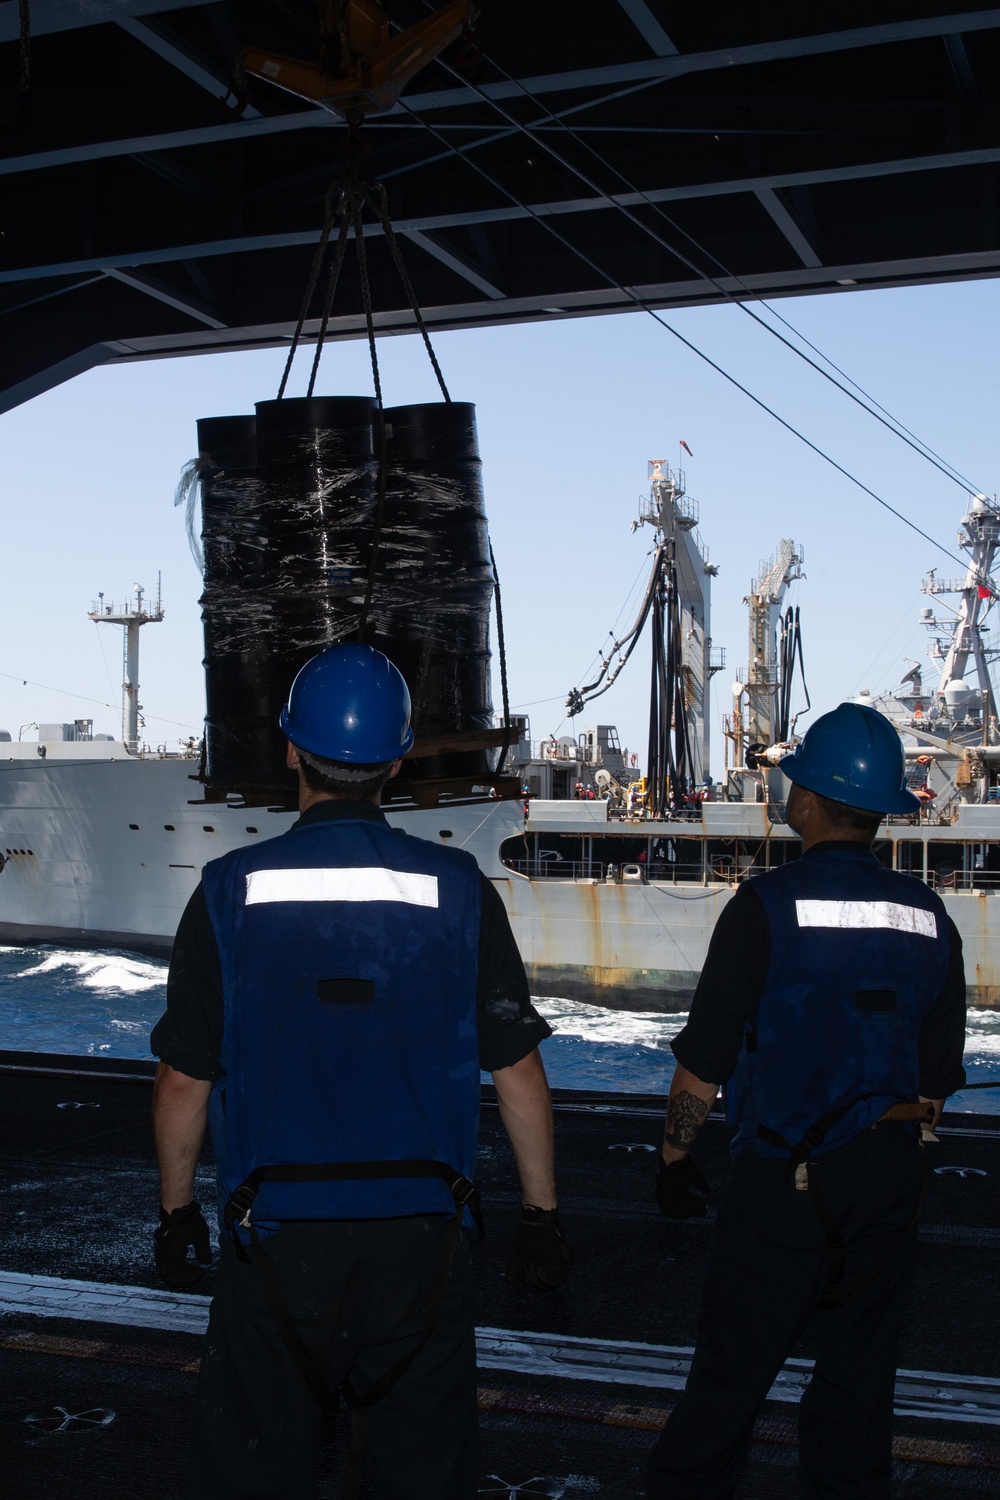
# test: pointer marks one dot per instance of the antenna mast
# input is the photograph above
(131, 616)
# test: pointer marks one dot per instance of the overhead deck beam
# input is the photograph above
(150, 287)
(773, 206)
(724, 59)
(185, 61)
(50, 16)
(651, 69)
(648, 27)
(733, 187)
(454, 261)
(166, 140)
(690, 293)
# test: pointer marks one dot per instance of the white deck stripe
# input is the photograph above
(860, 914)
(375, 884)
(924, 1393)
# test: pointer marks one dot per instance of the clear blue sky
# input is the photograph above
(569, 412)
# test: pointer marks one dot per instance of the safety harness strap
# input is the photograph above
(237, 1213)
(800, 1163)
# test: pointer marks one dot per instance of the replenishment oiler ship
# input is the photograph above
(613, 879)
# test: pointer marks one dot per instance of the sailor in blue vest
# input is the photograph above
(832, 1009)
(333, 993)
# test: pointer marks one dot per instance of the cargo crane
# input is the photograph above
(677, 604)
(761, 722)
(362, 67)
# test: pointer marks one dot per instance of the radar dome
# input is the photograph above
(957, 694)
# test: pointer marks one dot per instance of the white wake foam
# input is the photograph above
(618, 1028)
(111, 972)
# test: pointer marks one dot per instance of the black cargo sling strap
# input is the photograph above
(237, 1213)
(800, 1165)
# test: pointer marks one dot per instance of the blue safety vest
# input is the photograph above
(858, 955)
(349, 959)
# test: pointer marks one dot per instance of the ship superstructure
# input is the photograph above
(611, 900)
(950, 728)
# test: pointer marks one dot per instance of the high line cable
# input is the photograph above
(876, 409)
(633, 296)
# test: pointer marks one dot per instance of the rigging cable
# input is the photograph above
(349, 200)
(891, 423)
(633, 296)
(579, 696)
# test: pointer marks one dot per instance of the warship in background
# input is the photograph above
(613, 878)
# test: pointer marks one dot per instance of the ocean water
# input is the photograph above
(82, 1002)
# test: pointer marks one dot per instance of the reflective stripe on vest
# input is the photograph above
(371, 884)
(855, 914)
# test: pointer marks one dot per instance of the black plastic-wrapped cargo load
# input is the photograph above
(289, 525)
(238, 737)
(431, 613)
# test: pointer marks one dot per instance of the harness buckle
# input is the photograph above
(464, 1191)
(239, 1206)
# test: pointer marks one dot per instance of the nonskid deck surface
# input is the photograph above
(573, 1386)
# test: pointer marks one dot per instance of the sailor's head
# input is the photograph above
(347, 720)
(852, 768)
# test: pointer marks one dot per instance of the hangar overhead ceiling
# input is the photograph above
(598, 155)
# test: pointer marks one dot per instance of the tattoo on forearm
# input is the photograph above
(685, 1116)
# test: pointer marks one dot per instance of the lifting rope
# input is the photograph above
(344, 204)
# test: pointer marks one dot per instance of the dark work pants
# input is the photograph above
(767, 1273)
(358, 1290)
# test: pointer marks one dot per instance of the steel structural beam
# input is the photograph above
(50, 16)
(690, 293)
(651, 69)
(723, 60)
(511, 310)
(648, 27)
(150, 287)
(166, 140)
(246, 244)
(773, 206)
(455, 262)
(173, 52)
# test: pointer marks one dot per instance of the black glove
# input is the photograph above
(184, 1227)
(681, 1190)
(539, 1257)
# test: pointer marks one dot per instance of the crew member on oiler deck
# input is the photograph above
(832, 1008)
(333, 993)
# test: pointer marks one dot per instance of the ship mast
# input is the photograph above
(959, 640)
(131, 616)
(767, 593)
(761, 723)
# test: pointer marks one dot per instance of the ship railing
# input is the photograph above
(963, 880)
(558, 869)
(724, 870)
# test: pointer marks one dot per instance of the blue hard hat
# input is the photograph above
(853, 755)
(349, 703)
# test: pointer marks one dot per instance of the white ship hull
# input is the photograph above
(106, 852)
